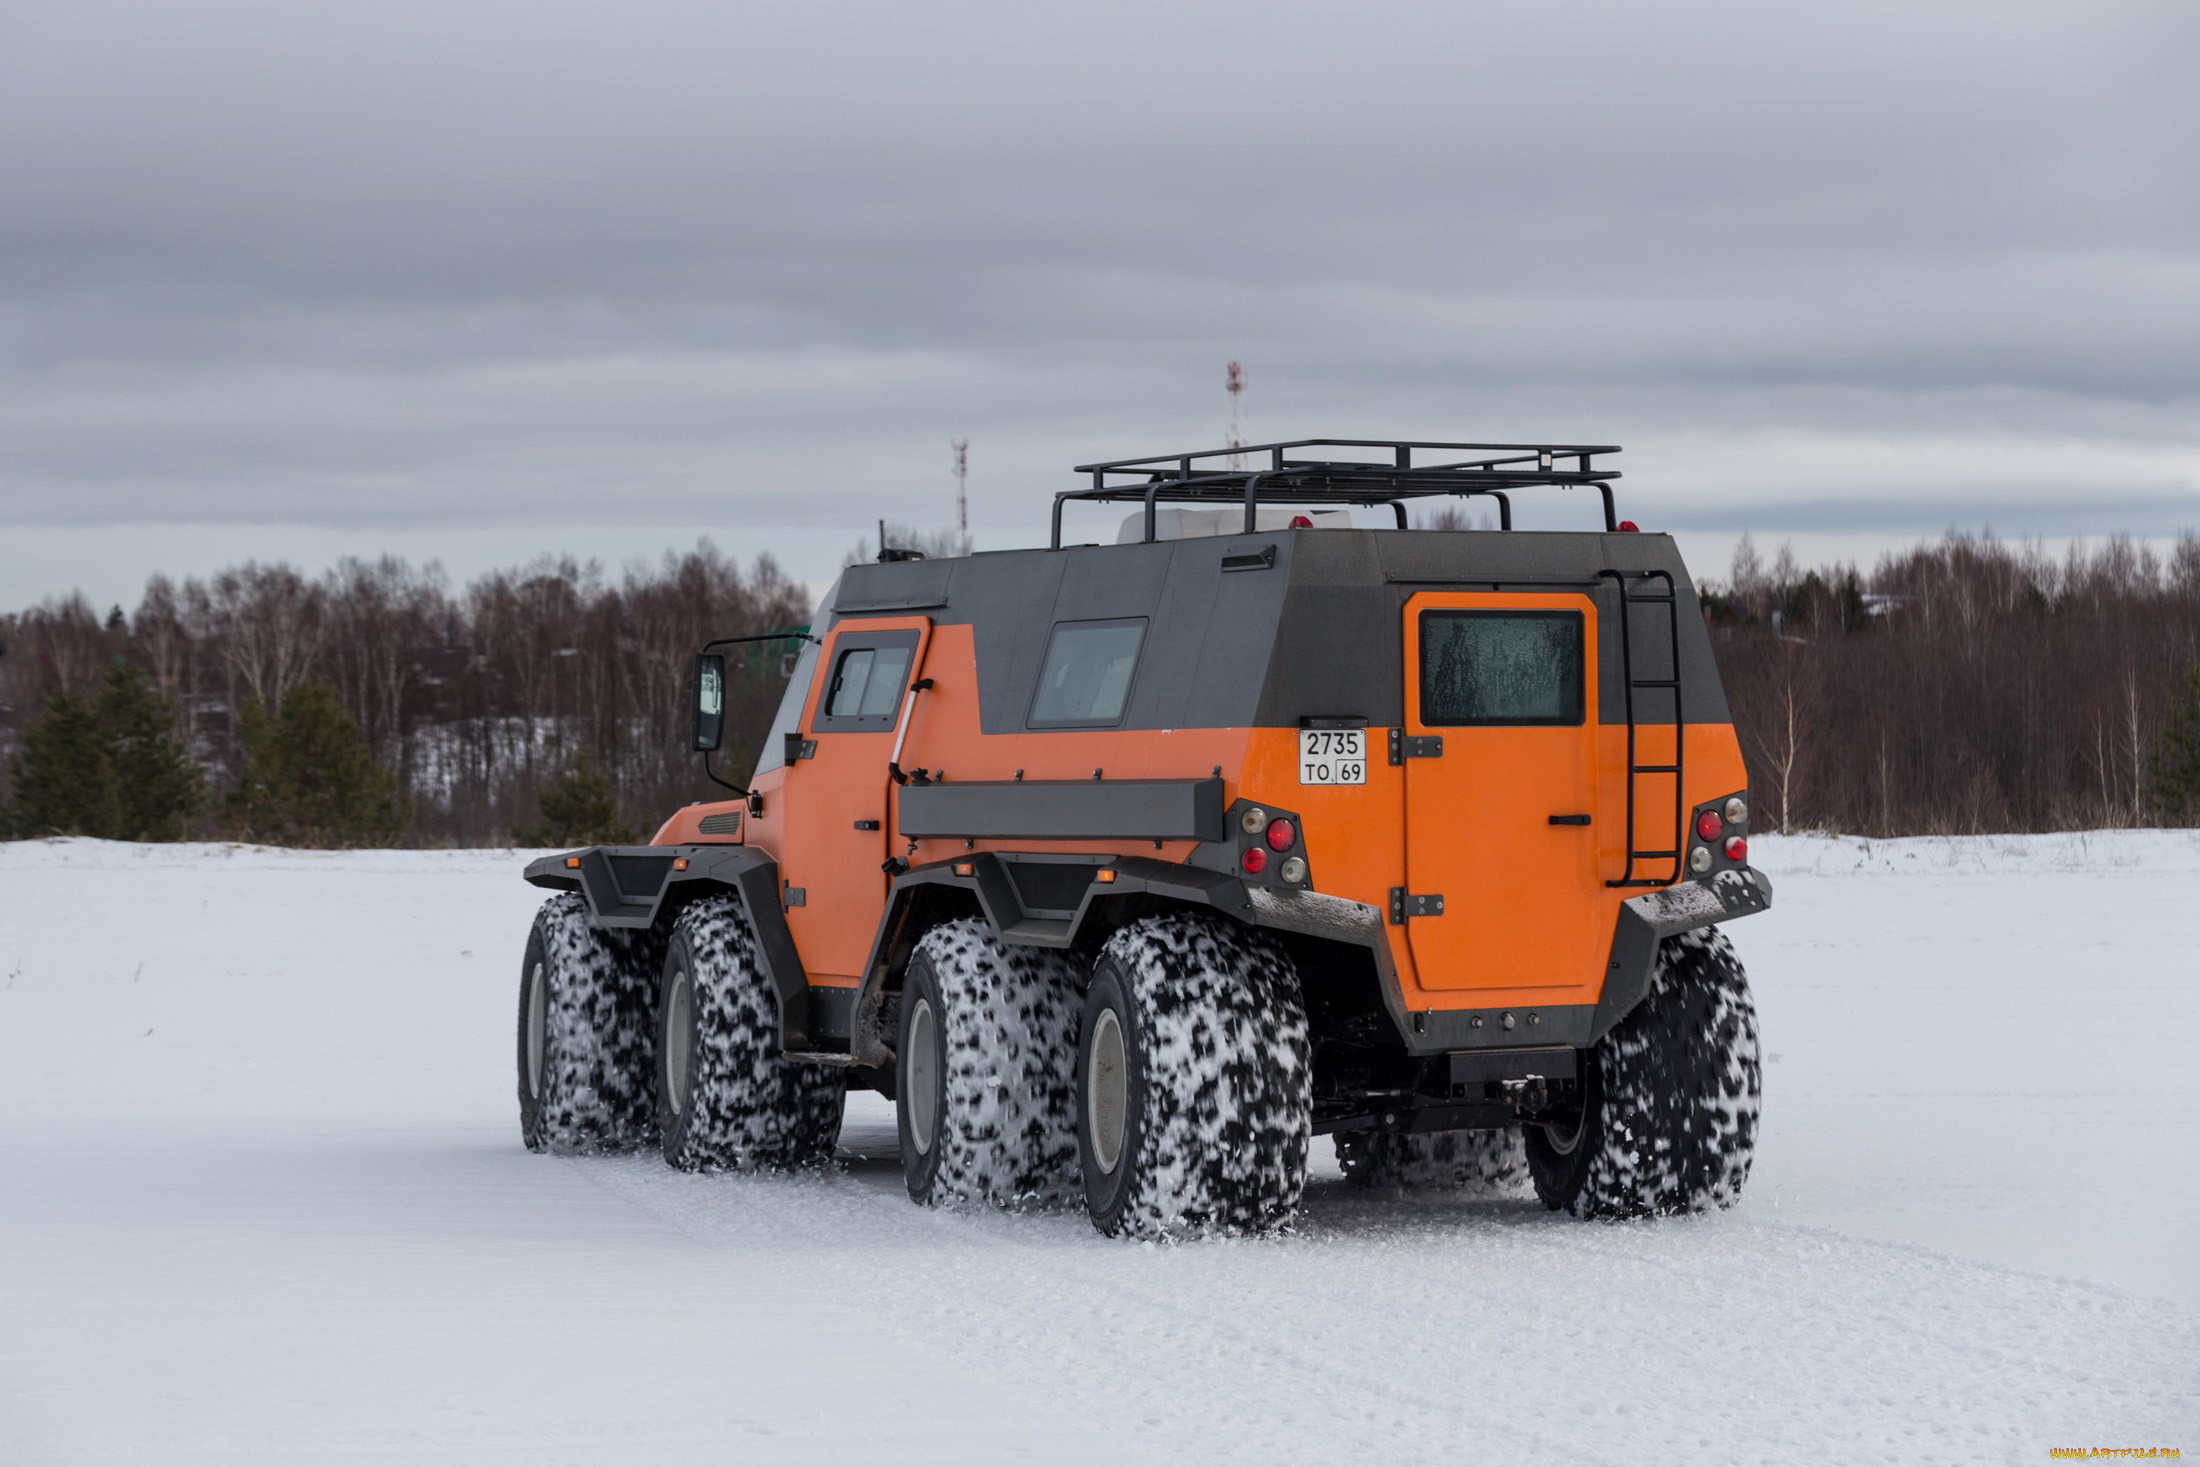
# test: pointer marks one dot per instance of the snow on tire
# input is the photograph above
(587, 1002)
(726, 1100)
(1194, 1090)
(986, 1059)
(1490, 1162)
(1670, 1096)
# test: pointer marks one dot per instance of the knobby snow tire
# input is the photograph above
(587, 1033)
(1670, 1096)
(1494, 1163)
(1219, 1101)
(1003, 1036)
(739, 1105)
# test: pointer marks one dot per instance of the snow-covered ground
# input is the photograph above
(262, 1199)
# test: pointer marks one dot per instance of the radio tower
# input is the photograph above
(962, 498)
(1234, 379)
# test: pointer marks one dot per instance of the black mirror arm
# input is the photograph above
(763, 637)
(712, 775)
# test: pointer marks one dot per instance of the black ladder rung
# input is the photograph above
(1663, 682)
(1653, 769)
(1655, 855)
(1653, 600)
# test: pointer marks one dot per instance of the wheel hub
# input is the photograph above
(537, 1021)
(1107, 1091)
(923, 1075)
(679, 1006)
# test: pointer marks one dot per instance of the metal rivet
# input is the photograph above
(1533, 1019)
(1475, 1022)
(1507, 1021)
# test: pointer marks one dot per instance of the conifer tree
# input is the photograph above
(309, 778)
(112, 765)
(2175, 767)
(579, 807)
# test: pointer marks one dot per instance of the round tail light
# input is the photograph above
(1255, 861)
(1280, 835)
(1737, 849)
(1708, 825)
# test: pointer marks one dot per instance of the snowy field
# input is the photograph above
(262, 1199)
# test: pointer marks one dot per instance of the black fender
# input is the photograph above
(639, 886)
(1648, 920)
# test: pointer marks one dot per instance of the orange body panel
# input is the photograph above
(1528, 918)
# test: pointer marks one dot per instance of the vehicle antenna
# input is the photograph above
(962, 474)
(1233, 378)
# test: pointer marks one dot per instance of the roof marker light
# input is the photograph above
(1630, 527)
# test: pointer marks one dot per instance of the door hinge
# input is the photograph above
(795, 748)
(1404, 746)
(793, 896)
(1404, 904)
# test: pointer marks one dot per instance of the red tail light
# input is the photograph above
(1708, 826)
(1737, 849)
(1255, 861)
(1280, 835)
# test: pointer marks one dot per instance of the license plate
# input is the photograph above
(1332, 756)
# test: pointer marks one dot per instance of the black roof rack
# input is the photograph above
(1281, 476)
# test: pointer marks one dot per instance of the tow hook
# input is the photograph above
(1526, 1096)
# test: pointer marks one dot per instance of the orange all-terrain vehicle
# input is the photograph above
(1127, 869)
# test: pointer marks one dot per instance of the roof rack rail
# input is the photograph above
(1195, 478)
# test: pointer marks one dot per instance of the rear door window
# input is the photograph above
(1086, 680)
(1481, 668)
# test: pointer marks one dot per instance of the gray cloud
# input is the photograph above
(384, 269)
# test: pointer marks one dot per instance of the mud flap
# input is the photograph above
(1647, 920)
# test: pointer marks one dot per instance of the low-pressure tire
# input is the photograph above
(1670, 1097)
(985, 1065)
(587, 1000)
(726, 1099)
(1194, 1091)
(1489, 1162)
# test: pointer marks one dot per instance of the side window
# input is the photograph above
(1501, 667)
(870, 674)
(1086, 679)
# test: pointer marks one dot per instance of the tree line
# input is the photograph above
(1966, 686)
(539, 701)
(1969, 686)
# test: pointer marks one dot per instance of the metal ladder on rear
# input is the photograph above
(1635, 769)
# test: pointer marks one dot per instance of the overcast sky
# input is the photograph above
(479, 280)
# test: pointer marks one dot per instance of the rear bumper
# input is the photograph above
(1643, 923)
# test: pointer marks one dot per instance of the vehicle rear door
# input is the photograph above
(1503, 887)
(833, 846)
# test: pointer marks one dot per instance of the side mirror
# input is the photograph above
(710, 701)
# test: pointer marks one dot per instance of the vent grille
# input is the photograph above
(725, 822)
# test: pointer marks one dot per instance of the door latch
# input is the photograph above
(1404, 746)
(1404, 904)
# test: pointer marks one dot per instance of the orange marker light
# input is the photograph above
(964, 868)
(572, 863)
(1103, 875)
(681, 864)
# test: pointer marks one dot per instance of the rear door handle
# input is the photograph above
(1569, 820)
